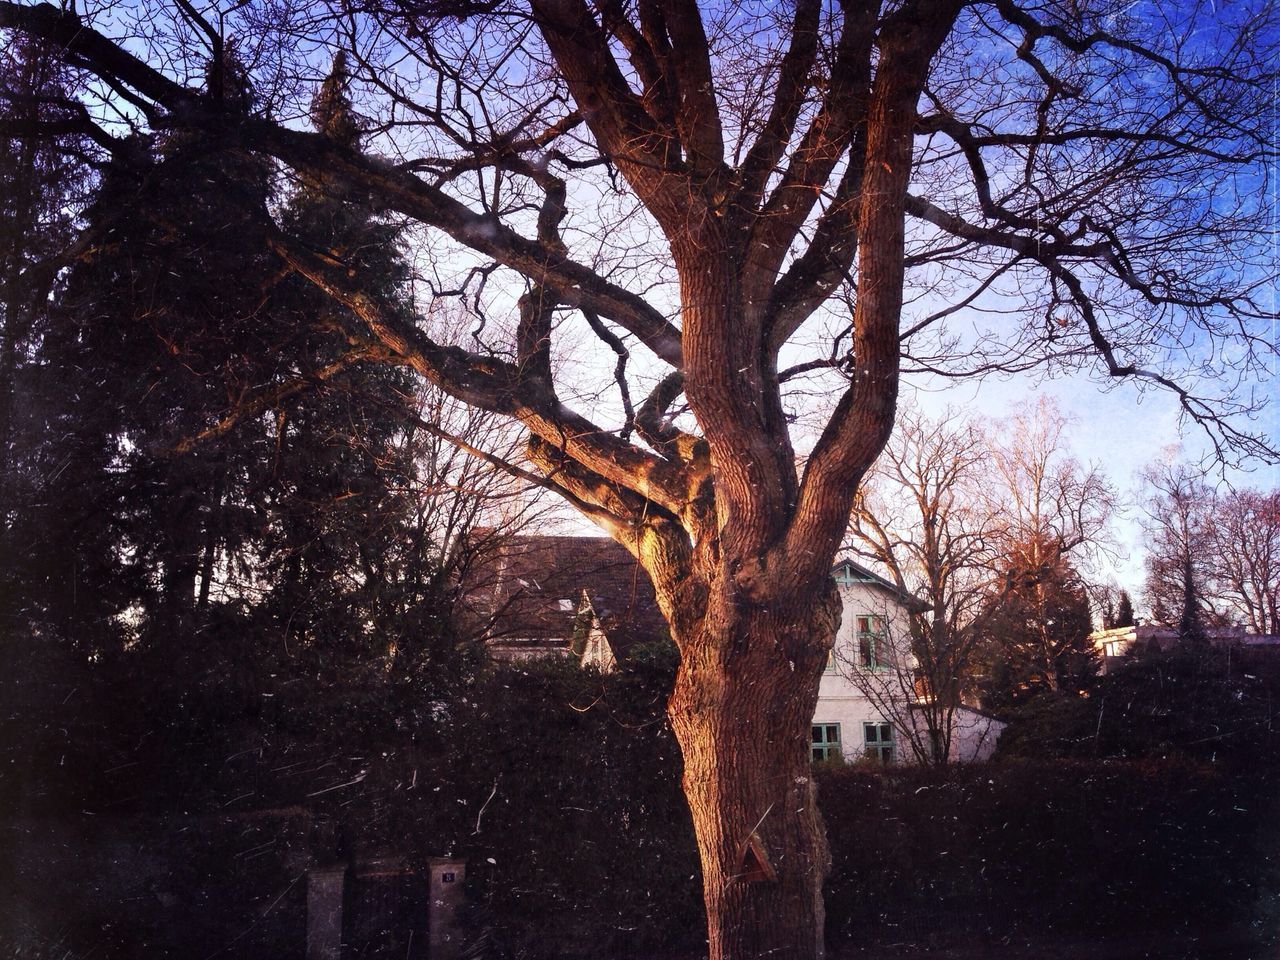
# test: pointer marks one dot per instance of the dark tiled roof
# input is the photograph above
(533, 587)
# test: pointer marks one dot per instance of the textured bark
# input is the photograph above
(814, 198)
(741, 709)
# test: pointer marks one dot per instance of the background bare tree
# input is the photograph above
(922, 517)
(1050, 504)
(1055, 514)
(688, 186)
(1178, 524)
(1213, 557)
(1245, 565)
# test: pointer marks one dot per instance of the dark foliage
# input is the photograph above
(1037, 639)
(584, 846)
(1202, 704)
(559, 786)
(1117, 611)
(1170, 851)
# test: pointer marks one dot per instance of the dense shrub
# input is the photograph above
(576, 831)
(560, 788)
(1213, 705)
(1065, 848)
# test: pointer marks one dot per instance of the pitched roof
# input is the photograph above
(539, 589)
(861, 574)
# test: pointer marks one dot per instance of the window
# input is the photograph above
(877, 739)
(825, 743)
(872, 654)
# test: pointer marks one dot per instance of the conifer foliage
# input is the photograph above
(222, 543)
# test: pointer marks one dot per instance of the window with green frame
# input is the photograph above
(869, 632)
(877, 741)
(825, 742)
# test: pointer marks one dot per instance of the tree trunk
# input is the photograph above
(741, 710)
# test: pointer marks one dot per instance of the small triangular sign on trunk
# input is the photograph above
(755, 866)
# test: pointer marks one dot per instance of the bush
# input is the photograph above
(1213, 705)
(1075, 848)
(578, 836)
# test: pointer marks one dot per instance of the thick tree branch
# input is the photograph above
(493, 385)
(790, 94)
(828, 137)
(647, 154)
(697, 113)
(864, 416)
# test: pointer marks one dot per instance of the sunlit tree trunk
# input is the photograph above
(741, 709)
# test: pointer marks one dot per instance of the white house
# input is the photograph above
(870, 702)
(587, 597)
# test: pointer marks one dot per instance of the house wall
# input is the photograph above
(974, 736)
(597, 652)
(839, 700)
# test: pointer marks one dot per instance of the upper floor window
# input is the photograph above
(872, 652)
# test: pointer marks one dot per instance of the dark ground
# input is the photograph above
(1154, 947)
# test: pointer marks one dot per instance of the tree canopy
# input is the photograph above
(740, 207)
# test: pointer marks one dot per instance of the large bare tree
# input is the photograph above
(750, 205)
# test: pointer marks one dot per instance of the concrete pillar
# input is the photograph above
(446, 899)
(324, 912)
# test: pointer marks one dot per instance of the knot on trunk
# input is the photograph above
(751, 581)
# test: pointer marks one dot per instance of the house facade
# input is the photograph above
(870, 701)
(587, 598)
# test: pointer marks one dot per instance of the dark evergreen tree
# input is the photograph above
(228, 531)
(1190, 620)
(1124, 610)
(44, 173)
(154, 336)
(1038, 637)
(341, 465)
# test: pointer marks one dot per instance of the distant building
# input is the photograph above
(587, 598)
(541, 596)
(1114, 645)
